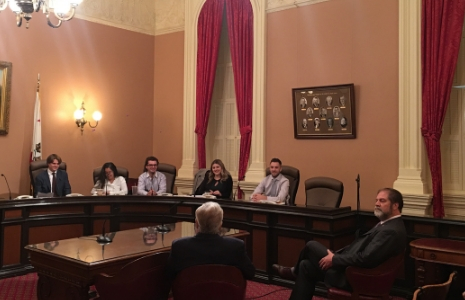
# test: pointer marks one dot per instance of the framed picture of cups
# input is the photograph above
(325, 112)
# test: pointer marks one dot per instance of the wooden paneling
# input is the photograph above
(289, 220)
(102, 209)
(231, 214)
(12, 236)
(134, 208)
(185, 210)
(259, 242)
(41, 234)
(424, 229)
(13, 214)
(56, 210)
(259, 218)
(321, 225)
(289, 250)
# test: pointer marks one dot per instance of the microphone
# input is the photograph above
(106, 188)
(103, 239)
(237, 190)
(163, 228)
(9, 191)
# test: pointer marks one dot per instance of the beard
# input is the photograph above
(381, 215)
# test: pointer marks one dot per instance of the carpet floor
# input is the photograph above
(25, 288)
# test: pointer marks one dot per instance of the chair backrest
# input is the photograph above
(170, 172)
(376, 282)
(293, 175)
(198, 178)
(324, 191)
(121, 172)
(37, 167)
(434, 291)
(209, 282)
(141, 279)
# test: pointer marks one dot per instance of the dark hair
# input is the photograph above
(394, 196)
(52, 157)
(276, 160)
(149, 159)
(102, 176)
(224, 172)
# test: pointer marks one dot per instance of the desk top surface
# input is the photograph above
(86, 250)
(439, 245)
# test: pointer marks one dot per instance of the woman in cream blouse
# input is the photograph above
(109, 182)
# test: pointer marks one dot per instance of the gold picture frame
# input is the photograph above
(5, 94)
(324, 112)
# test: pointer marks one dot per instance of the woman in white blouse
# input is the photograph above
(109, 182)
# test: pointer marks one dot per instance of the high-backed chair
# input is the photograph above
(141, 279)
(198, 178)
(121, 172)
(209, 282)
(434, 291)
(37, 167)
(293, 175)
(170, 173)
(324, 191)
(369, 284)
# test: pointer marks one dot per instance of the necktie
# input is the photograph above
(54, 185)
(274, 187)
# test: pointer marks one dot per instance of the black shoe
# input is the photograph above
(284, 272)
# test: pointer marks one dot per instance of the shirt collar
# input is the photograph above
(148, 174)
(391, 218)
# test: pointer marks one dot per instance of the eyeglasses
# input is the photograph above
(152, 165)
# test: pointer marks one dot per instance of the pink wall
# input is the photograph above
(337, 42)
(168, 102)
(334, 42)
(110, 69)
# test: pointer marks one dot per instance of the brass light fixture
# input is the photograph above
(63, 10)
(80, 114)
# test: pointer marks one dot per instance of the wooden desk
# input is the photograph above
(430, 254)
(67, 268)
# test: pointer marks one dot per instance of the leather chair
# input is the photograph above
(293, 175)
(141, 279)
(170, 172)
(37, 167)
(369, 284)
(324, 191)
(198, 178)
(121, 172)
(434, 291)
(209, 282)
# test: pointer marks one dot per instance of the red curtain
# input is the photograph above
(209, 31)
(240, 27)
(442, 22)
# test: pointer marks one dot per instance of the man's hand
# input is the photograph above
(258, 197)
(150, 193)
(327, 261)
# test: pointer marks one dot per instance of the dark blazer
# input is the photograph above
(204, 249)
(224, 187)
(368, 251)
(42, 183)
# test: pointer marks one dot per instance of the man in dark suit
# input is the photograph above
(53, 180)
(316, 263)
(207, 246)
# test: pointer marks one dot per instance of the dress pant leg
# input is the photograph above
(308, 271)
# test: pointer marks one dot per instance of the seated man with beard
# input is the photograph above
(316, 263)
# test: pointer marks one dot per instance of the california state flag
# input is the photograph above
(36, 150)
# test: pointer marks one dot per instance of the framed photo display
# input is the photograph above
(326, 112)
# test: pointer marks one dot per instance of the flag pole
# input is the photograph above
(38, 82)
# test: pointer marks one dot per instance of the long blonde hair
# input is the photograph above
(224, 172)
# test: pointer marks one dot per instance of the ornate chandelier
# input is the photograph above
(64, 10)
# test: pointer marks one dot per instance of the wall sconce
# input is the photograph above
(80, 114)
